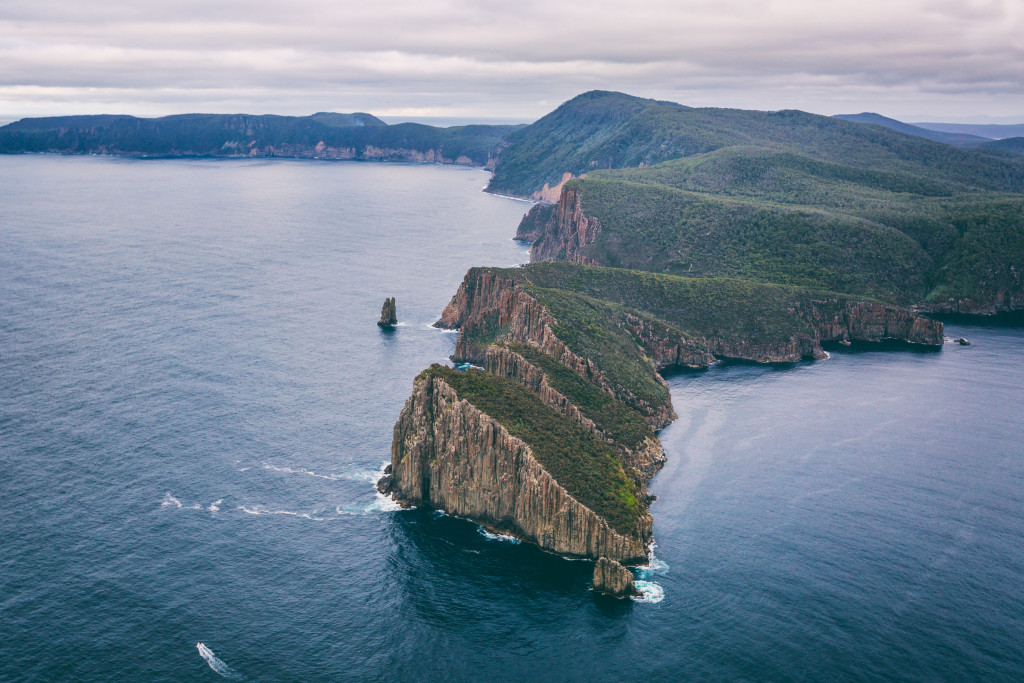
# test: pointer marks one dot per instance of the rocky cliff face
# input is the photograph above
(612, 578)
(448, 454)
(566, 232)
(532, 224)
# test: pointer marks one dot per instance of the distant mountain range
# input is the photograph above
(993, 131)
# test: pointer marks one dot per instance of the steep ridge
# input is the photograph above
(609, 130)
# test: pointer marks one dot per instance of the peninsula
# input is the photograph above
(668, 237)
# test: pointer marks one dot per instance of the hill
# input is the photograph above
(958, 139)
(323, 135)
(602, 130)
(1015, 145)
(993, 131)
(787, 198)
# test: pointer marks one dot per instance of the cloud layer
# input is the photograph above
(949, 58)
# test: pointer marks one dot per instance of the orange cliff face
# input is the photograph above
(550, 195)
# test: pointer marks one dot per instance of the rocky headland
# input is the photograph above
(554, 439)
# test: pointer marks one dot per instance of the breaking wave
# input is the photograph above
(497, 537)
(654, 567)
(649, 592)
(171, 501)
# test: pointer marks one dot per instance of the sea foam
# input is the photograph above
(649, 592)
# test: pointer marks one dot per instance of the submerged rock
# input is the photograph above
(388, 314)
(612, 578)
(962, 341)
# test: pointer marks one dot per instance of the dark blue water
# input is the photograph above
(195, 400)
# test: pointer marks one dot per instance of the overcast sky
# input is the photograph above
(514, 59)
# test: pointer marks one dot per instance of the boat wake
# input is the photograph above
(216, 663)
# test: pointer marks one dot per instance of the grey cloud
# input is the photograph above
(485, 56)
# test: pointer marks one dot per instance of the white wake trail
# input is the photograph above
(216, 663)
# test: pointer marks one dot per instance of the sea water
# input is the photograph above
(195, 401)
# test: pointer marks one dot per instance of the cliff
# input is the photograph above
(449, 454)
(533, 222)
(566, 232)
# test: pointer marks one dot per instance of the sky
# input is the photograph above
(514, 60)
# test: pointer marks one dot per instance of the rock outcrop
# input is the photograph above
(388, 313)
(567, 232)
(611, 578)
(448, 454)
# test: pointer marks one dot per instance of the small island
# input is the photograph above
(388, 314)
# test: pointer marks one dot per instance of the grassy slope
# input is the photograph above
(588, 468)
(618, 421)
(662, 229)
(724, 308)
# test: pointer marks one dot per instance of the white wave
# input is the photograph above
(356, 475)
(650, 592)
(497, 537)
(381, 503)
(245, 469)
(215, 662)
(215, 505)
(654, 567)
(170, 500)
(262, 510)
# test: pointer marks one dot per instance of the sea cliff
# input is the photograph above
(571, 355)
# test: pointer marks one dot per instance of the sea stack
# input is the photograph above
(388, 315)
(612, 578)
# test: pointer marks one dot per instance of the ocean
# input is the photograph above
(195, 402)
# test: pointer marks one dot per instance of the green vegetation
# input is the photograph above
(595, 329)
(618, 421)
(588, 468)
(1014, 145)
(604, 130)
(783, 197)
(241, 134)
(719, 308)
(662, 229)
